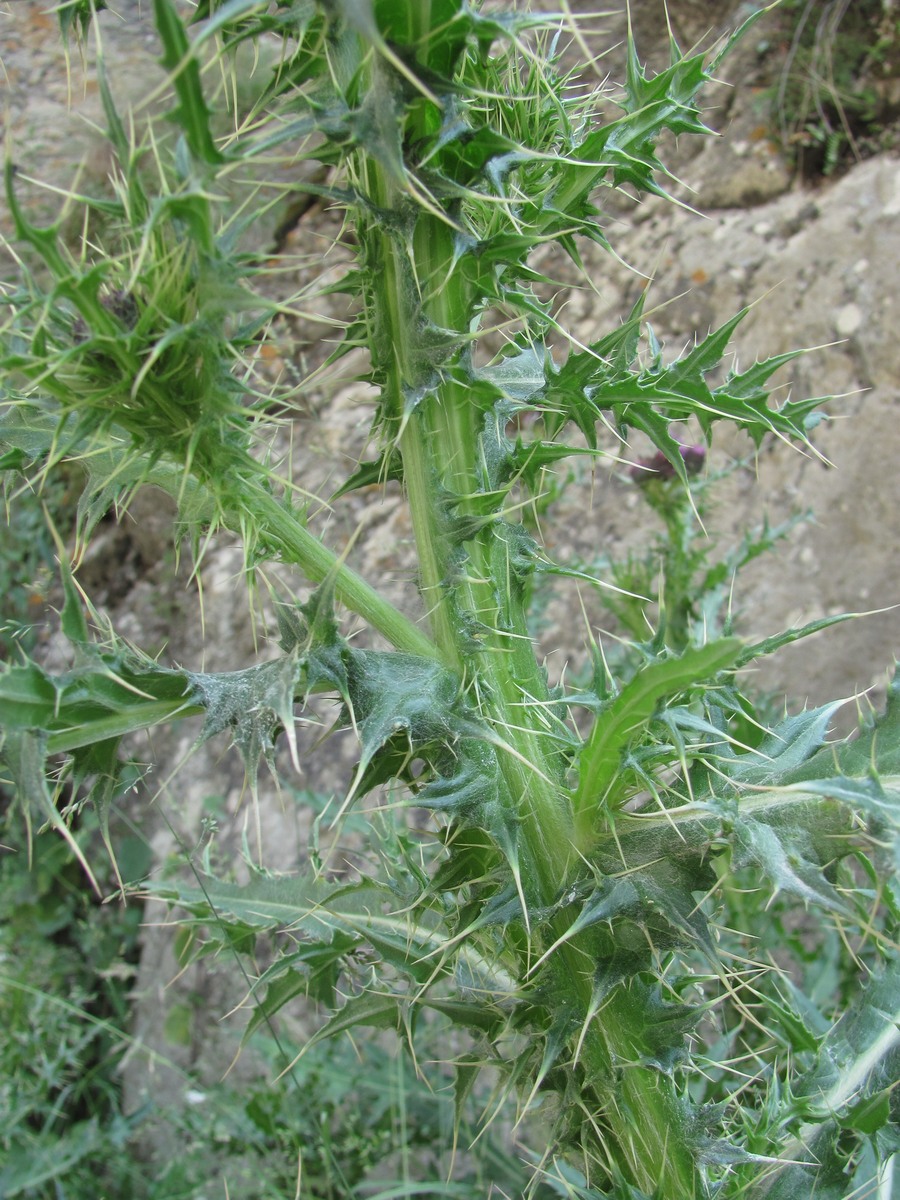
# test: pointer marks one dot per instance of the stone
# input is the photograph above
(848, 319)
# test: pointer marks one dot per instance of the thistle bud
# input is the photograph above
(120, 303)
(659, 467)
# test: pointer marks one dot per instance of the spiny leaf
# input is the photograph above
(311, 971)
(861, 773)
(254, 704)
(780, 853)
(625, 149)
(300, 903)
(466, 1070)
(399, 695)
(105, 695)
(379, 471)
(634, 706)
(861, 1049)
(474, 1015)
(790, 805)
(368, 1010)
(72, 621)
(24, 754)
(554, 1044)
(241, 20)
(192, 114)
(841, 1100)
(664, 1027)
(782, 752)
(876, 749)
(77, 15)
(519, 376)
(100, 773)
(870, 1114)
(348, 915)
(770, 645)
(112, 474)
(679, 391)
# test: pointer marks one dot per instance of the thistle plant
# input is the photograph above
(638, 890)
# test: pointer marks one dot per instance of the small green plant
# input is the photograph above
(663, 923)
(830, 103)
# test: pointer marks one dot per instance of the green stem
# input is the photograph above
(476, 608)
(477, 614)
(299, 546)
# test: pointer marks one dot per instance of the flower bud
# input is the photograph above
(659, 467)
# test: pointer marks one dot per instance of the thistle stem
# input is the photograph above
(299, 546)
(477, 614)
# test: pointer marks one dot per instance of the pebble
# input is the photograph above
(847, 320)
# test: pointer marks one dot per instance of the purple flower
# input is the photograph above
(659, 467)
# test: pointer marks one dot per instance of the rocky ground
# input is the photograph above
(817, 260)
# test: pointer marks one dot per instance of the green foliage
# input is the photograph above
(64, 981)
(27, 552)
(68, 968)
(604, 912)
(831, 102)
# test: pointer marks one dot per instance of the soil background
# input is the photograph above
(816, 257)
